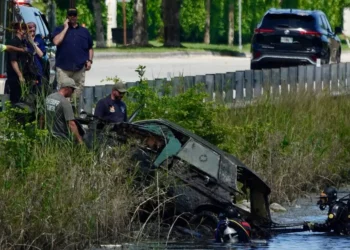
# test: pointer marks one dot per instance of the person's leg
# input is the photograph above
(79, 78)
(15, 90)
(62, 74)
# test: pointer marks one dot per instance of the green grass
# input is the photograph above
(156, 46)
(53, 195)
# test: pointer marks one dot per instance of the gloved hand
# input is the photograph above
(308, 226)
(2, 47)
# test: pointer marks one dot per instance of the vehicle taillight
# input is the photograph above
(256, 54)
(310, 33)
(261, 31)
(20, 2)
(3, 76)
(314, 58)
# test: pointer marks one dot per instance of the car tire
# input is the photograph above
(204, 222)
(255, 66)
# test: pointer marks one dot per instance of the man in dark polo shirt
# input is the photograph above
(16, 62)
(112, 108)
(74, 50)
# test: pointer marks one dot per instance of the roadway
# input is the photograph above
(164, 67)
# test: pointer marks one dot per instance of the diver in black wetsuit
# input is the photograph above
(338, 220)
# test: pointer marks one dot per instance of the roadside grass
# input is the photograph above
(156, 46)
(297, 143)
(55, 194)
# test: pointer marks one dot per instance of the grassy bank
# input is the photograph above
(55, 195)
(299, 143)
(155, 46)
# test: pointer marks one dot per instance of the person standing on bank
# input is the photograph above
(112, 108)
(16, 62)
(60, 117)
(36, 46)
(74, 50)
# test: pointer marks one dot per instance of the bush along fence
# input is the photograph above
(239, 87)
(236, 88)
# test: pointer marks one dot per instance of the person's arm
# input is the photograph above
(74, 129)
(36, 48)
(91, 52)
(57, 40)
(10, 48)
(69, 117)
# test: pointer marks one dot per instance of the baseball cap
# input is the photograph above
(120, 87)
(68, 82)
(72, 11)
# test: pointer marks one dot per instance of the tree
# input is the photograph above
(207, 22)
(140, 33)
(231, 22)
(171, 21)
(100, 39)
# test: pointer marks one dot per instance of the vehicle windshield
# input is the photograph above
(30, 14)
(288, 21)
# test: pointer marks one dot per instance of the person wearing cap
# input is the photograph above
(74, 53)
(60, 118)
(112, 108)
(16, 63)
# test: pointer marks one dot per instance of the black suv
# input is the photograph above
(292, 36)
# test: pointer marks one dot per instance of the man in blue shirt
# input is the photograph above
(74, 50)
(112, 108)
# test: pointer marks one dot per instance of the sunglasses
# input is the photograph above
(72, 14)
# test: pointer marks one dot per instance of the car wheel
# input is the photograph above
(255, 66)
(204, 222)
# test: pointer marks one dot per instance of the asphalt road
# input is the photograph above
(164, 67)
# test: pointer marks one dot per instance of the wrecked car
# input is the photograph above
(209, 180)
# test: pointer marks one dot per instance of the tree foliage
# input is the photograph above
(192, 16)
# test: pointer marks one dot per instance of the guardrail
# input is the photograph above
(244, 86)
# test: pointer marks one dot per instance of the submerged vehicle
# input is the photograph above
(209, 181)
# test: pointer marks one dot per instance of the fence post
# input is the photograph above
(229, 86)
(219, 87)
(88, 98)
(310, 77)
(318, 79)
(342, 76)
(248, 83)
(284, 81)
(301, 78)
(175, 82)
(266, 81)
(275, 82)
(326, 71)
(293, 79)
(334, 77)
(347, 66)
(239, 81)
(209, 85)
(257, 83)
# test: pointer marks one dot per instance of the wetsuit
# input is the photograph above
(338, 220)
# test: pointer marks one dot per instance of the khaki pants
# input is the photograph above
(79, 79)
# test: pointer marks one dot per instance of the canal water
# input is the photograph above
(303, 210)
